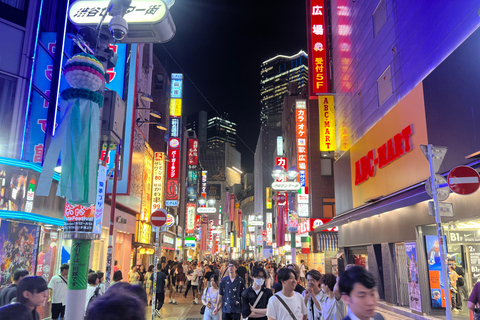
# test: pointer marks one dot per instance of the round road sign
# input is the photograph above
(463, 180)
(442, 193)
(264, 233)
(159, 217)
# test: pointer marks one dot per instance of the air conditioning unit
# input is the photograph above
(113, 118)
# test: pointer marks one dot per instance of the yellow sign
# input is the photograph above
(175, 107)
(326, 110)
(232, 240)
(144, 232)
(388, 157)
(147, 185)
(269, 198)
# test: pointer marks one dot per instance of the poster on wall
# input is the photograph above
(437, 290)
(319, 262)
(18, 249)
(413, 283)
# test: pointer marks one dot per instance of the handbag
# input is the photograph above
(202, 309)
(286, 306)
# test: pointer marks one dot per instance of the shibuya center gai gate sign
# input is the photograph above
(388, 152)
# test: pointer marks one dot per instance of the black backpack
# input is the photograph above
(95, 294)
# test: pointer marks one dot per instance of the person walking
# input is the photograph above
(277, 287)
(9, 293)
(230, 294)
(32, 292)
(196, 281)
(58, 292)
(333, 307)
(452, 274)
(189, 282)
(210, 298)
(255, 298)
(208, 276)
(172, 278)
(93, 289)
(141, 272)
(302, 268)
(287, 303)
(313, 295)
(133, 275)
(180, 277)
(159, 289)
(359, 292)
(148, 284)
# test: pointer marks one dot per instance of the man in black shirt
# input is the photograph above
(230, 294)
(10, 292)
(242, 272)
(249, 297)
(277, 287)
(159, 289)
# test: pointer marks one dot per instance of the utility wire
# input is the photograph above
(211, 106)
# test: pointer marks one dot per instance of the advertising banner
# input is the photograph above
(158, 180)
(213, 191)
(171, 190)
(413, 281)
(192, 151)
(318, 60)
(326, 110)
(190, 221)
(18, 249)
(269, 229)
(204, 184)
(437, 288)
(147, 185)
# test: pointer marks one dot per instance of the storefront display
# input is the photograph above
(413, 282)
(437, 288)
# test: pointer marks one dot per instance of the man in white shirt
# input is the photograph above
(302, 274)
(195, 280)
(57, 292)
(359, 291)
(292, 306)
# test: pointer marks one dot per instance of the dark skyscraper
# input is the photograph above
(276, 73)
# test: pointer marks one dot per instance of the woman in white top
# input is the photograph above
(210, 298)
(313, 295)
(333, 307)
(133, 276)
(93, 289)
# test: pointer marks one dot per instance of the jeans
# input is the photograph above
(209, 316)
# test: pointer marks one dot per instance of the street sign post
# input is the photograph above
(435, 156)
(159, 217)
(443, 191)
(463, 180)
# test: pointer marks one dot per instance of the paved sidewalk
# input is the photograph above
(184, 310)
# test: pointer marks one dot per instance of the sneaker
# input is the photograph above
(157, 313)
(174, 302)
(169, 301)
(195, 302)
(455, 310)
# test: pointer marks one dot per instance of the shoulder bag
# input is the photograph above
(202, 309)
(286, 306)
(256, 302)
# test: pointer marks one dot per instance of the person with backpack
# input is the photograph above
(93, 289)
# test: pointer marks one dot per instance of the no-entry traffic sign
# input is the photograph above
(463, 180)
(159, 217)
(264, 233)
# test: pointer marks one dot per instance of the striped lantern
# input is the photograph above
(305, 245)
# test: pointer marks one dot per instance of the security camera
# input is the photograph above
(118, 27)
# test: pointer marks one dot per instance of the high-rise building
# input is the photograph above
(276, 73)
(221, 131)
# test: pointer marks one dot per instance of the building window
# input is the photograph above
(379, 17)
(326, 167)
(384, 86)
(14, 11)
(328, 207)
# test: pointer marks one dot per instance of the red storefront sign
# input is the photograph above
(308, 225)
(282, 162)
(192, 151)
(318, 60)
(171, 190)
(173, 164)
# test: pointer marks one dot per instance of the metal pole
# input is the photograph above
(113, 204)
(443, 255)
(155, 259)
(292, 244)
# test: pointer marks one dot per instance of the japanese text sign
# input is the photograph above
(173, 164)
(192, 151)
(327, 123)
(318, 60)
(158, 180)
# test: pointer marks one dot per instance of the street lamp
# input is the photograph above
(202, 201)
(278, 172)
(211, 202)
(292, 173)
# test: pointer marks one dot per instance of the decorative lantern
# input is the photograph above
(305, 245)
(142, 251)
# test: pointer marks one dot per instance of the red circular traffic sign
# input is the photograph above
(264, 233)
(159, 217)
(463, 180)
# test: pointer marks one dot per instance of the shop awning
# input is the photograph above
(328, 241)
(400, 199)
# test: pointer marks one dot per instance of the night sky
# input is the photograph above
(219, 46)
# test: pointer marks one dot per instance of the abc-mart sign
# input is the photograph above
(308, 225)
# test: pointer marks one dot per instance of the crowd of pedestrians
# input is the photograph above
(230, 290)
